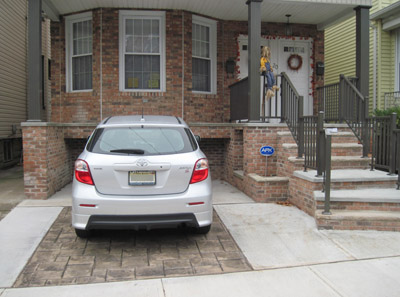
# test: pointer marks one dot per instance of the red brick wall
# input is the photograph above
(85, 106)
(214, 149)
(46, 161)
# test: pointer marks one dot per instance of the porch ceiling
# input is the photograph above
(318, 12)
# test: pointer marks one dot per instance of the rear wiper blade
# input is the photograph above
(128, 151)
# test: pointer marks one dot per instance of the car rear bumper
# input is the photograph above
(92, 210)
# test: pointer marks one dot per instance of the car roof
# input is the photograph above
(140, 120)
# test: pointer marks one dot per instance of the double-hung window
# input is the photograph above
(79, 49)
(142, 51)
(204, 52)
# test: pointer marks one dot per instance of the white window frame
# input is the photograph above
(212, 25)
(131, 14)
(69, 21)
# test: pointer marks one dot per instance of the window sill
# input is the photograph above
(80, 91)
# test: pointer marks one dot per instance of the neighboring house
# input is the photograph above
(13, 77)
(340, 51)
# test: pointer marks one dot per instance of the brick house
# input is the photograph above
(183, 58)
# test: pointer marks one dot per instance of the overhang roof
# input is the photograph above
(317, 12)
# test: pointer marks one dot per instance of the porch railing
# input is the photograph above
(313, 127)
(292, 111)
(329, 101)
(385, 143)
(397, 135)
(239, 101)
(392, 99)
(344, 102)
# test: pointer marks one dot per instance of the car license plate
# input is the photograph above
(142, 178)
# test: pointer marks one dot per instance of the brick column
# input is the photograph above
(46, 159)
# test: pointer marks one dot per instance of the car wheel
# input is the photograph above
(82, 233)
(203, 230)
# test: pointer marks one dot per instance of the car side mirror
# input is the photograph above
(198, 138)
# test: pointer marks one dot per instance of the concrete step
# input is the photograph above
(338, 149)
(377, 199)
(342, 162)
(340, 137)
(378, 195)
(350, 179)
(359, 220)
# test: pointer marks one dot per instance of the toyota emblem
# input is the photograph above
(142, 163)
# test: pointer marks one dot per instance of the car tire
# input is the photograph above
(82, 233)
(203, 230)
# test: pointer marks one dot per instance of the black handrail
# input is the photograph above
(385, 147)
(344, 102)
(292, 111)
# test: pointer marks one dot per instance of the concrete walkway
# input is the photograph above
(289, 255)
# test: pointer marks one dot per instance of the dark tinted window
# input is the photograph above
(150, 140)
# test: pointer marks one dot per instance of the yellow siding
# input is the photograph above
(13, 63)
(340, 54)
(386, 63)
(340, 51)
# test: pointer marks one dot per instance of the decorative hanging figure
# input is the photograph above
(267, 71)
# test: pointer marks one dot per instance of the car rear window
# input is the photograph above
(142, 141)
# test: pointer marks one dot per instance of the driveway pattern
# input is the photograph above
(63, 258)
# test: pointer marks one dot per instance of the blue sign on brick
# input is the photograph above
(267, 150)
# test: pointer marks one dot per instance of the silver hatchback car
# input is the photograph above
(141, 172)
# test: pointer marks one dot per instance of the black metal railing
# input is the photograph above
(329, 101)
(392, 99)
(239, 100)
(270, 109)
(292, 111)
(385, 148)
(313, 127)
(397, 141)
(344, 102)
(354, 110)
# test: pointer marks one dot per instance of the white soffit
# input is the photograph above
(317, 12)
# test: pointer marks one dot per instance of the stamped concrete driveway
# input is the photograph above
(109, 256)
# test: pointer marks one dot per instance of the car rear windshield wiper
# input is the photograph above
(128, 151)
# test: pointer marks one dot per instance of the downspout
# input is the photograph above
(101, 64)
(183, 63)
(374, 70)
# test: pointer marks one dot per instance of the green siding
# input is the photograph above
(340, 51)
(340, 54)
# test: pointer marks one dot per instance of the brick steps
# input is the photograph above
(352, 179)
(359, 220)
(342, 162)
(361, 199)
(338, 149)
(342, 136)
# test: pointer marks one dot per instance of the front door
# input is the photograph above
(297, 55)
(281, 51)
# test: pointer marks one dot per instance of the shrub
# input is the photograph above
(388, 112)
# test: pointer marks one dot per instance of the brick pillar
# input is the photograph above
(46, 159)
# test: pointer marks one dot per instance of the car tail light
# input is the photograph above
(200, 171)
(82, 172)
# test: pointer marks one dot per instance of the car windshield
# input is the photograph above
(141, 141)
